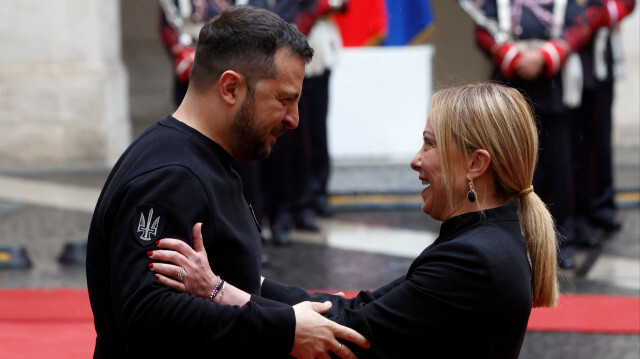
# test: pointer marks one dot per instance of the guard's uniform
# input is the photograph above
(529, 28)
(592, 122)
(171, 177)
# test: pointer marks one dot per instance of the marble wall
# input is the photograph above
(63, 84)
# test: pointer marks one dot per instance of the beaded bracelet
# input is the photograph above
(220, 285)
(219, 298)
(215, 289)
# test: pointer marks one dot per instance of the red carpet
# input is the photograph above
(46, 324)
(59, 324)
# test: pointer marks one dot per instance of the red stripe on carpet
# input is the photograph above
(589, 314)
(583, 313)
(58, 323)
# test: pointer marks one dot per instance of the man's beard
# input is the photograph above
(250, 143)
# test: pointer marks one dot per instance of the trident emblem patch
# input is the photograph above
(148, 223)
(148, 228)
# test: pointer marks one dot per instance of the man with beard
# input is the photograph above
(243, 94)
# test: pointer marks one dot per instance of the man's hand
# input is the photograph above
(316, 335)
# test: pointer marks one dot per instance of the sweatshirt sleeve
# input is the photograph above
(146, 310)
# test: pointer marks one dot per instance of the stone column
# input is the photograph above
(63, 85)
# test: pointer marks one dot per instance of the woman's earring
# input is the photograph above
(471, 195)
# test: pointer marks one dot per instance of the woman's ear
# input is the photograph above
(231, 86)
(479, 162)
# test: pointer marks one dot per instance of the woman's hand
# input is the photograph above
(197, 278)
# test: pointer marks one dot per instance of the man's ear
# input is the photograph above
(231, 86)
(479, 162)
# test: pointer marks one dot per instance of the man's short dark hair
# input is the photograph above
(244, 39)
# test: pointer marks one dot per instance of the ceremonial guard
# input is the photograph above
(297, 173)
(591, 123)
(530, 43)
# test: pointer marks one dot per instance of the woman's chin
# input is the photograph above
(425, 210)
(429, 212)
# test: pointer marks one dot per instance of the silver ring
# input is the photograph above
(340, 349)
(180, 274)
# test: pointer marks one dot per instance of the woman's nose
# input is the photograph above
(415, 162)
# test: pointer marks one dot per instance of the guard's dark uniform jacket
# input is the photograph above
(592, 121)
(529, 28)
(546, 90)
(169, 178)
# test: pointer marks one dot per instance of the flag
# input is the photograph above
(410, 22)
(364, 23)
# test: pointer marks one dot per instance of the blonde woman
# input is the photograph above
(470, 293)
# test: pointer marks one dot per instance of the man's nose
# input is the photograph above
(291, 119)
